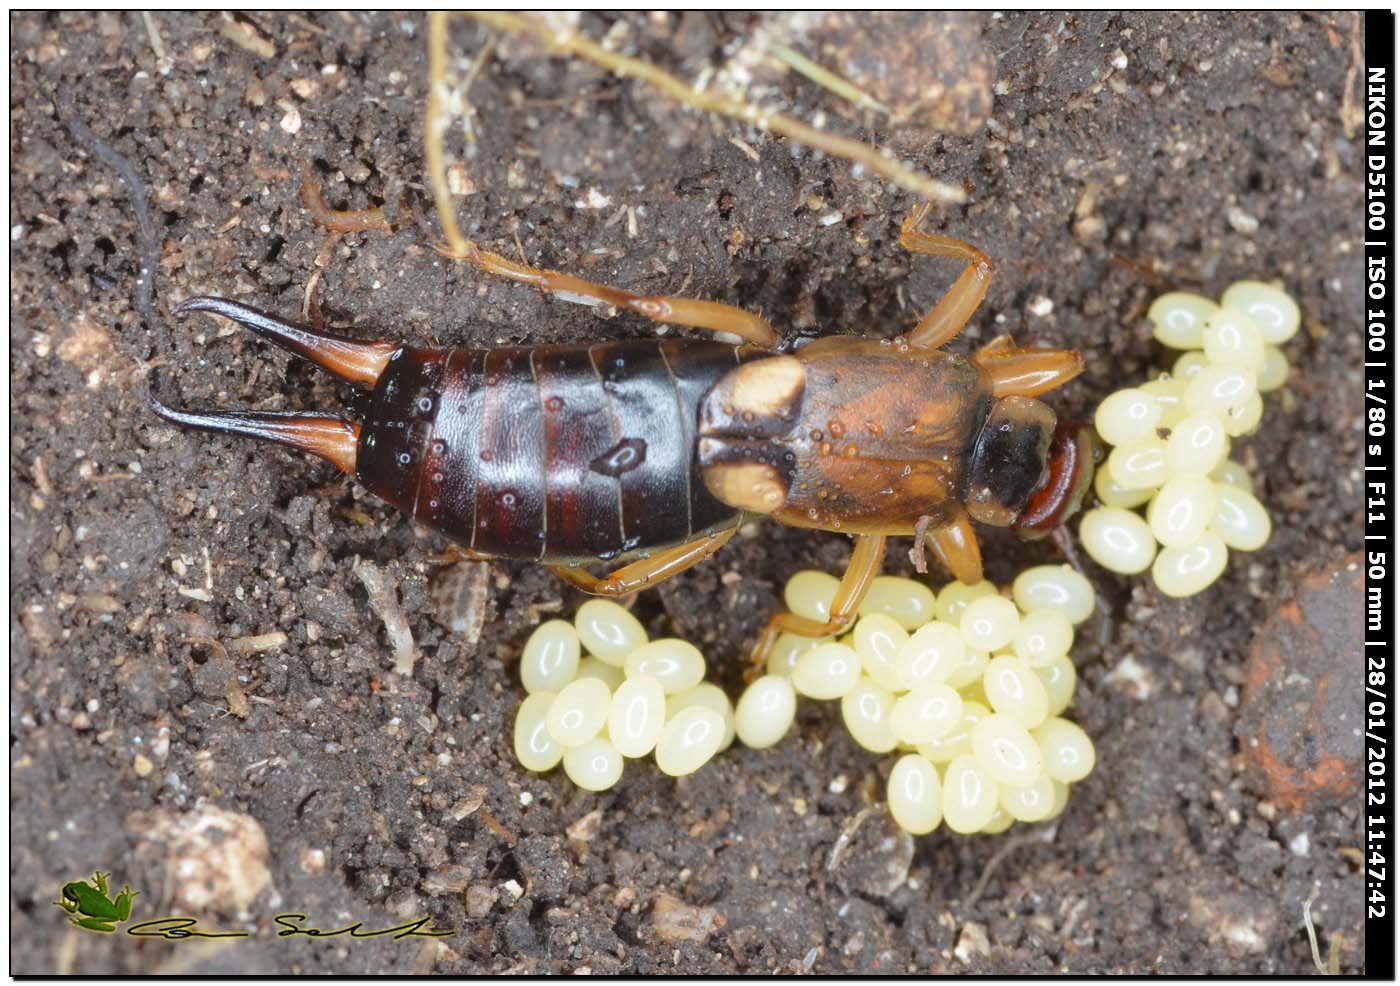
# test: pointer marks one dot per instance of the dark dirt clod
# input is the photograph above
(1300, 724)
(1199, 148)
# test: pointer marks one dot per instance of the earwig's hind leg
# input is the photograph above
(712, 315)
(646, 572)
(941, 325)
(455, 553)
(956, 546)
(860, 572)
(1000, 344)
(1029, 372)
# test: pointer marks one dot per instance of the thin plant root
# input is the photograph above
(433, 126)
(825, 78)
(148, 239)
(337, 220)
(566, 42)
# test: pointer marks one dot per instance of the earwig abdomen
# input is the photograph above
(557, 453)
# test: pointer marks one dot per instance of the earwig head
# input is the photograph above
(1069, 470)
(1026, 471)
(1007, 463)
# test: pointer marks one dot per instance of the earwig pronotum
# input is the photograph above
(652, 452)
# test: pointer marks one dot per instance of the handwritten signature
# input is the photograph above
(292, 925)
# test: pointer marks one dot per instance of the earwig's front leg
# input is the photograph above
(1029, 372)
(712, 315)
(956, 546)
(646, 572)
(941, 325)
(864, 566)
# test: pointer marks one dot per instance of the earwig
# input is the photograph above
(651, 453)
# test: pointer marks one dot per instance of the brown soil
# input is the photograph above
(1203, 148)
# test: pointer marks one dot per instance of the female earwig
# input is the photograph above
(656, 450)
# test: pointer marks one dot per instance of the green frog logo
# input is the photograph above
(88, 905)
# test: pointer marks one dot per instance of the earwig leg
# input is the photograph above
(860, 572)
(645, 572)
(956, 546)
(941, 325)
(337, 220)
(1029, 372)
(455, 553)
(1001, 344)
(712, 315)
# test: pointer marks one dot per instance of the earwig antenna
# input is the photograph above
(327, 436)
(352, 360)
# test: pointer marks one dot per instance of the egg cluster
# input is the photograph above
(967, 684)
(1172, 440)
(626, 699)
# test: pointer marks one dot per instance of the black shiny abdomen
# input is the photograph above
(557, 453)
